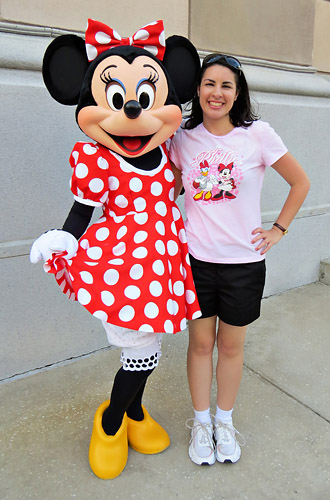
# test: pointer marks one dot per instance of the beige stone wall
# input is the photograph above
(280, 30)
(126, 16)
(321, 54)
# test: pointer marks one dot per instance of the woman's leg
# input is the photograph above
(202, 334)
(229, 369)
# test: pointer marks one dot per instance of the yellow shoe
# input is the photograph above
(147, 436)
(107, 454)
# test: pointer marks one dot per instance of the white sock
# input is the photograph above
(224, 416)
(203, 416)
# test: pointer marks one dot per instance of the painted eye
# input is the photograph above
(146, 96)
(115, 96)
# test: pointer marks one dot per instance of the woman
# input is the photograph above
(219, 157)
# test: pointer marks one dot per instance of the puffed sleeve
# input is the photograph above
(89, 181)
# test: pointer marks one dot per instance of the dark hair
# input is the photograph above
(241, 114)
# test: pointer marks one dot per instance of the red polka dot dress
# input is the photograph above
(132, 266)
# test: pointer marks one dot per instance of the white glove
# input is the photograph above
(54, 241)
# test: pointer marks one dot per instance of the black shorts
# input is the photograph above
(233, 292)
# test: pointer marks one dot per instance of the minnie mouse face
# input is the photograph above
(130, 115)
(129, 99)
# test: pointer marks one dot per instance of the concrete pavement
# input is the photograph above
(283, 409)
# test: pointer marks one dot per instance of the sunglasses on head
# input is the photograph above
(218, 58)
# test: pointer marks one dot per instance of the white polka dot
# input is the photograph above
(84, 244)
(182, 236)
(169, 175)
(127, 313)
(91, 264)
(141, 218)
(102, 37)
(171, 194)
(188, 259)
(190, 296)
(101, 315)
(119, 249)
(160, 247)
(117, 218)
(140, 204)
(102, 163)
(173, 228)
(170, 286)
(140, 253)
(176, 213)
(172, 307)
(172, 247)
(135, 185)
(113, 183)
(104, 198)
(75, 156)
(111, 277)
(160, 228)
(107, 298)
(168, 326)
(86, 277)
(136, 272)
(196, 315)
(91, 51)
(81, 171)
(141, 34)
(94, 253)
(169, 266)
(132, 292)
(140, 236)
(178, 288)
(161, 208)
(151, 310)
(146, 328)
(96, 185)
(88, 149)
(156, 188)
(84, 297)
(102, 233)
(155, 288)
(116, 262)
(121, 201)
(183, 324)
(158, 267)
(121, 232)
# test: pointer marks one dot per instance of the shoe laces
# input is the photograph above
(202, 430)
(227, 432)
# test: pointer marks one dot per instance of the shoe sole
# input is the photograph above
(229, 458)
(201, 460)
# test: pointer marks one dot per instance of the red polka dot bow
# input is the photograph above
(100, 37)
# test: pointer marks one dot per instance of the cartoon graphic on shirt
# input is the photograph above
(215, 176)
(226, 182)
(204, 182)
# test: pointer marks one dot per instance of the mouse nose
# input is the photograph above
(132, 109)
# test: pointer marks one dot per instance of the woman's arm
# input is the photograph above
(178, 180)
(292, 172)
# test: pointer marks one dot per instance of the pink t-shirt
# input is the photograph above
(222, 177)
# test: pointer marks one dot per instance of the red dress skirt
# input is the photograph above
(132, 266)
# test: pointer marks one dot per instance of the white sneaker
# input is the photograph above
(227, 446)
(201, 445)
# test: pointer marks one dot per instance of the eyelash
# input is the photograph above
(106, 78)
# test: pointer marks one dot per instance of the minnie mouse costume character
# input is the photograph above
(130, 269)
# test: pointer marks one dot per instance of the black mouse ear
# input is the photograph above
(183, 64)
(64, 67)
